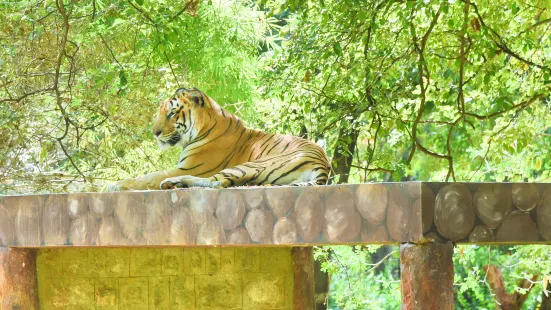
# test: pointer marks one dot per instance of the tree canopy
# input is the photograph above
(431, 90)
(80, 83)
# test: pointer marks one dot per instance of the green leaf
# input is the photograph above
(362, 15)
(429, 107)
(337, 48)
(514, 8)
(16, 17)
(118, 21)
(399, 173)
(448, 73)
(487, 78)
(122, 78)
(43, 154)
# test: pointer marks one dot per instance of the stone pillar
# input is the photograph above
(427, 276)
(18, 279)
(303, 269)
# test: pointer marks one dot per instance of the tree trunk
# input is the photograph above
(344, 153)
(341, 164)
(504, 300)
(303, 132)
(545, 300)
(321, 280)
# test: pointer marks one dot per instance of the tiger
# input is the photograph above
(219, 151)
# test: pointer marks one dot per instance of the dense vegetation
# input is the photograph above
(394, 90)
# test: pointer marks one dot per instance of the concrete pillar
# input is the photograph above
(303, 269)
(427, 276)
(18, 288)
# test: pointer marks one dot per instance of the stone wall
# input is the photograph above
(165, 278)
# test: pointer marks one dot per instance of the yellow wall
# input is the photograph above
(165, 278)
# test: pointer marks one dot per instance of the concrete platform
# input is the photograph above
(287, 216)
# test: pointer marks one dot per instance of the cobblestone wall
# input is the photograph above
(165, 278)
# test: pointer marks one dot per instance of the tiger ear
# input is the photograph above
(180, 92)
(197, 97)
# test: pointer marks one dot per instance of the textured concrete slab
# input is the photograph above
(287, 216)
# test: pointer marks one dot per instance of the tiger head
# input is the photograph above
(180, 117)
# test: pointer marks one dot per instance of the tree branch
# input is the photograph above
(144, 14)
(520, 105)
(18, 99)
(500, 43)
(460, 95)
(188, 4)
(171, 69)
(110, 50)
(545, 21)
(61, 8)
(421, 64)
(451, 172)
(377, 169)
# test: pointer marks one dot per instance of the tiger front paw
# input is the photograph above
(126, 184)
(172, 183)
(179, 182)
(119, 186)
(188, 181)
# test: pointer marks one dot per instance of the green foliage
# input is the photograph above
(368, 276)
(362, 277)
(438, 90)
(516, 263)
(80, 82)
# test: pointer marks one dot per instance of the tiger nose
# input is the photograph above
(157, 132)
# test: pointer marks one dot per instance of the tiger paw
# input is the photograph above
(124, 185)
(186, 182)
(171, 183)
(119, 186)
